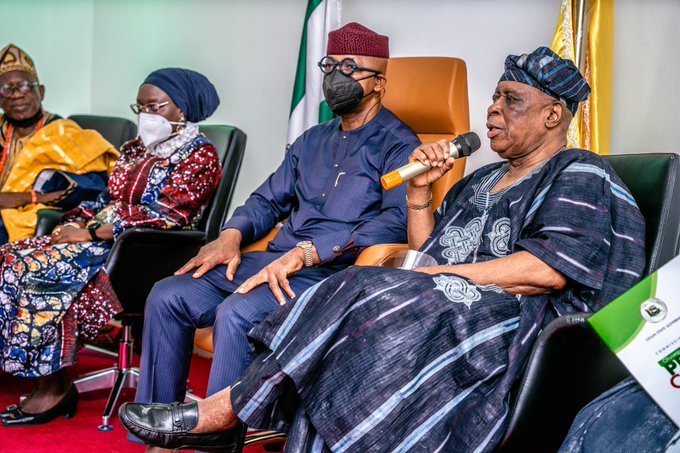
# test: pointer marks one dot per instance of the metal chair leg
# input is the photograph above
(99, 350)
(118, 377)
(189, 397)
(127, 379)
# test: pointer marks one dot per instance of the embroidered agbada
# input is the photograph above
(376, 359)
(60, 145)
(54, 297)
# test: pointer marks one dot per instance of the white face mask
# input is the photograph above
(153, 128)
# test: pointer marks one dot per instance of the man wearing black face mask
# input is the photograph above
(328, 187)
(342, 85)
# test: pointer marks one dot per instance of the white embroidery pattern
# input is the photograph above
(499, 237)
(460, 242)
(491, 287)
(457, 289)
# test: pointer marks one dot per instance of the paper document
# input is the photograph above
(643, 328)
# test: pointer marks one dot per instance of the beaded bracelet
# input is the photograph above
(418, 207)
(34, 197)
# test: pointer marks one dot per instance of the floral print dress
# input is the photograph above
(54, 298)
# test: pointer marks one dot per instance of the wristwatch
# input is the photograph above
(306, 247)
(93, 234)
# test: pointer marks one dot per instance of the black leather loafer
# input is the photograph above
(9, 413)
(168, 426)
(66, 406)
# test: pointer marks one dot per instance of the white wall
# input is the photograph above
(481, 32)
(248, 49)
(92, 55)
(58, 36)
(646, 76)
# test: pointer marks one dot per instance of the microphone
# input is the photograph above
(461, 146)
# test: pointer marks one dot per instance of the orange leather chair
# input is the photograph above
(433, 100)
(430, 95)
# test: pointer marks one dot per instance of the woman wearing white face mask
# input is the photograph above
(54, 293)
(166, 116)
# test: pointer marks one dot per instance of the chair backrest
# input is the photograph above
(654, 182)
(569, 364)
(116, 130)
(230, 143)
(142, 256)
(430, 95)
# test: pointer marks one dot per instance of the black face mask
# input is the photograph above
(26, 122)
(342, 92)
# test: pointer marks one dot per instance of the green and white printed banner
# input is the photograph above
(643, 328)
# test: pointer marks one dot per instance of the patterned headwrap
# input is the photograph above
(190, 91)
(14, 59)
(546, 71)
(355, 39)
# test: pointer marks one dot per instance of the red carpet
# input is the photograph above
(80, 433)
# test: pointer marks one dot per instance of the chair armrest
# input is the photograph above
(47, 220)
(261, 244)
(152, 236)
(203, 339)
(568, 367)
(142, 256)
(373, 255)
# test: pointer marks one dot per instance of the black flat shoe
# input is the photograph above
(66, 407)
(168, 426)
(11, 410)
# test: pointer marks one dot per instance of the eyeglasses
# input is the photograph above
(346, 66)
(154, 107)
(24, 87)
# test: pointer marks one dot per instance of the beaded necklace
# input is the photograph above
(8, 143)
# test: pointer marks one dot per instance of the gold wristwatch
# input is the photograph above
(306, 247)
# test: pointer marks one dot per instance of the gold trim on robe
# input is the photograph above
(60, 145)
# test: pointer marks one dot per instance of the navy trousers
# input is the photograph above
(624, 418)
(177, 306)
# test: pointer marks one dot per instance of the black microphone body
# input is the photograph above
(461, 146)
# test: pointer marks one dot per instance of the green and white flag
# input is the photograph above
(308, 107)
(642, 327)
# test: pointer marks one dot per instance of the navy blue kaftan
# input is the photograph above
(328, 188)
(394, 360)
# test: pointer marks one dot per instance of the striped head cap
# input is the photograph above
(548, 72)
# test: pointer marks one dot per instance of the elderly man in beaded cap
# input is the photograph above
(379, 359)
(46, 161)
(327, 187)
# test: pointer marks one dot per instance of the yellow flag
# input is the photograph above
(592, 122)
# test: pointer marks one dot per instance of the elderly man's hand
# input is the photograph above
(438, 155)
(50, 197)
(276, 275)
(223, 250)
